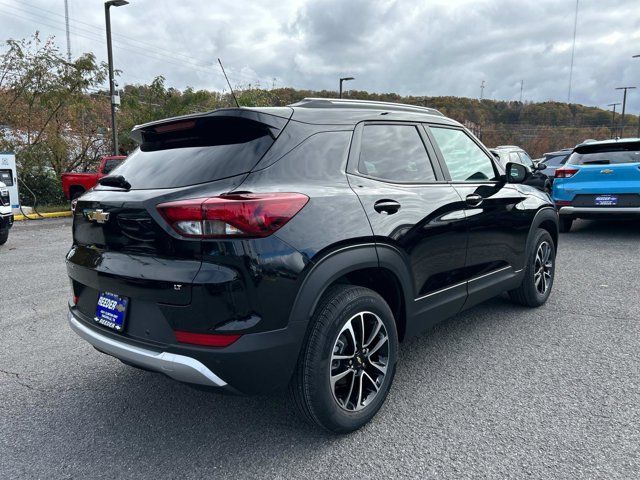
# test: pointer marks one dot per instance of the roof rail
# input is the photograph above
(507, 146)
(311, 102)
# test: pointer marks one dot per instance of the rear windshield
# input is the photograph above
(606, 154)
(554, 160)
(195, 151)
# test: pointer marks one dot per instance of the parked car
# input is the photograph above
(6, 215)
(553, 160)
(599, 180)
(511, 153)
(75, 184)
(248, 249)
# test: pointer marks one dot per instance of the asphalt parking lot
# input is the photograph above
(497, 392)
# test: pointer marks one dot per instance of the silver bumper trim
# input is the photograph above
(178, 367)
(578, 210)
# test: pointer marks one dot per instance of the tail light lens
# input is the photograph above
(566, 172)
(244, 215)
(563, 203)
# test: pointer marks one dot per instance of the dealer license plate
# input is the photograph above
(111, 311)
(606, 201)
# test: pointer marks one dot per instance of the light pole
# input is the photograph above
(112, 89)
(344, 79)
(624, 104)
(638, 56)
(613, 118)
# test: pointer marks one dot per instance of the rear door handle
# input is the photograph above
(474, 200)
(386, 206)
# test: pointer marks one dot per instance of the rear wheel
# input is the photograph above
(539, 272)
(4, 236)
(347, 366)
(565, 224)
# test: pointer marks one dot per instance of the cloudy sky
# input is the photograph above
(429, 47)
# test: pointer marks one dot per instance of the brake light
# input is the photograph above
(563, 203)
(243, 215)
(206, 339)
(566, 172)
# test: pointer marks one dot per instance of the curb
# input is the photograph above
(35, 216)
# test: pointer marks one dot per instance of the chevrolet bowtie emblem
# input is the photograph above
(98, 216)
(606, 171)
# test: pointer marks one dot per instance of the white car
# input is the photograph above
(6, 217)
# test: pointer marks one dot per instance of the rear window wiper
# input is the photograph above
(117, 181)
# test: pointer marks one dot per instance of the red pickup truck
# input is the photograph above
(75, 184)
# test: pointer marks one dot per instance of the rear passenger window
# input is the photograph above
(394, 153)
(464, 158)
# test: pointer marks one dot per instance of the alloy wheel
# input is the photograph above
(359, 361)
(543, 268)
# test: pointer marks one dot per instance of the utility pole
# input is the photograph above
(624, 104)
(573, 50)
(613, 118)
(66, 22)
(344, 79)
(482, 90)
(112, 86)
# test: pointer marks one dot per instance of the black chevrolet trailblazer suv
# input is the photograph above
(251, 249)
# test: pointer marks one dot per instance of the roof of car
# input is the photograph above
(507, 147)
(611, 141)
(331, 111)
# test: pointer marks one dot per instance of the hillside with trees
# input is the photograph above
(55, 114)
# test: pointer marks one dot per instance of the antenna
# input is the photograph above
(521, 89)
(228, 83)
(482, 90)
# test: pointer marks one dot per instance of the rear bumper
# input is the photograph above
(178, 367)
(256, 363)
(584, 212)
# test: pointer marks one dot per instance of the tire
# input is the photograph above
(339, 407)
(4, 236)
(537, 284)
(565, 224)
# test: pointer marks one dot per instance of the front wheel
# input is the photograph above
(4, 236)
(539, 272)
(347, 366)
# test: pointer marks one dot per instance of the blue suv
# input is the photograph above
(600, 180)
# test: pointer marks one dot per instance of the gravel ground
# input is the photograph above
(497, 392)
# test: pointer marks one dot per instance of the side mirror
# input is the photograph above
(517, 173)
(541, 166)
